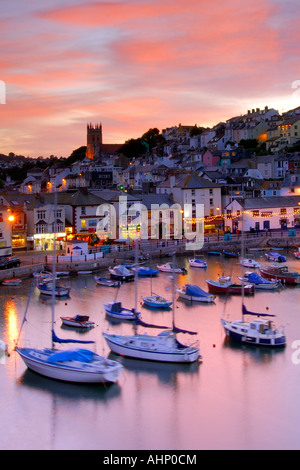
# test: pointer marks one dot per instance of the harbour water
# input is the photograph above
(238, 397)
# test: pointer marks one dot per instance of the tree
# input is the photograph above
(77, 154)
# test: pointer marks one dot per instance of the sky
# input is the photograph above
(136, 65)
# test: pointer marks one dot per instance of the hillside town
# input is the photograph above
(247, 165)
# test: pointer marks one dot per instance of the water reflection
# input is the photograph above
(167, 373)
(74, 392)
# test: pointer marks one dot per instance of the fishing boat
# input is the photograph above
(171, 268)
(46, 289)
(84, 272)
(249, 263)
(163, 347)
(280, 273)
(230, 254)
(224, 285)
(103, 281)
(78, 321)
(143, 271)
(156, 301)
(117, 311)
(121, 273)
(258, 332)
(76, 365)
(195, 293)
(214, 253)
(275, 257)
(14, 281)
(198, 263)
(259, 282)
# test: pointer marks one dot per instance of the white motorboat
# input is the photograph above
(197, 263)
(156, 301)
(249, 263)
(276, 257)
(195, 293)
(47, 289)
(117, 311)
(121, 273)
(256, 332)
(171, 268)
(103, 281)
(78, 321)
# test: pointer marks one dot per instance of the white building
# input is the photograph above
(265, 213)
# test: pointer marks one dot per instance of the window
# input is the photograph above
(282, 210)
(42, 228)
(41, 215)
(193, 192)
(267, 214)
(83, 224)
(255, 213)
(211, 191)
(228, 214)
(83, 212)
(59, 213)
(211, 202)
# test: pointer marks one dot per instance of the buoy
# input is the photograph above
(66, 303)
(267, 308)
(42, 301)
(214, 345)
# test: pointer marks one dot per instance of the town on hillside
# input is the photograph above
(244, 173)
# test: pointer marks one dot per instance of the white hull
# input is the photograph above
(100, 371)
(262, 286)
(245, 332)
(168, 268)
(162, 348)
(11, 282)
(77, 324)
(250, 263)
(196, 263)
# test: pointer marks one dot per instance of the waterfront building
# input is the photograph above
(265, 213)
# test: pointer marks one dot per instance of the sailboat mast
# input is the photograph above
(242, 257)
(53, 267)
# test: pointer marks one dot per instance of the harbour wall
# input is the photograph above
(32, 262)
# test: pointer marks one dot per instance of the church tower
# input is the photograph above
(94, 141)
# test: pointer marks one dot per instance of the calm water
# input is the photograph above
(239, 397)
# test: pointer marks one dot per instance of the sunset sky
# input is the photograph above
(134, 65)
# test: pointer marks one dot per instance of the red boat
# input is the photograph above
(224, 285)
(280, 273)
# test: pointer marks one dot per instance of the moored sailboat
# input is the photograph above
(163, 347)
(78, 365)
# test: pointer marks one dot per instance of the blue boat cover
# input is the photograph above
(56, 339)
(255, 278)
(81, 355)
(196, 291)
(279, 256)
(247, 312)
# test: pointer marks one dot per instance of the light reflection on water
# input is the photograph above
(240, 397)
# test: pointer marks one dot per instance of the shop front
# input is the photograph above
(45, 241)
